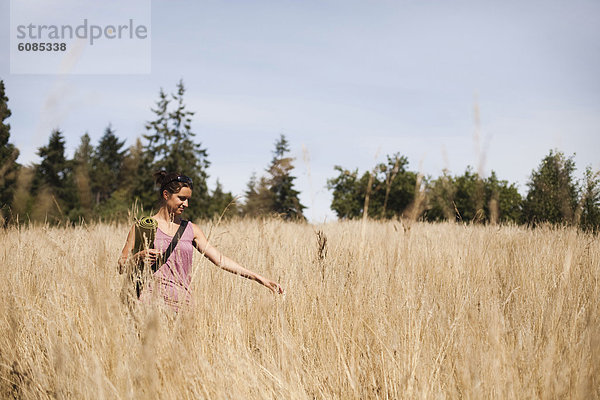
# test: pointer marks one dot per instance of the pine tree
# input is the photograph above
(129, 166)
(222, 203)
(250, 207)
(133, 189)
(82, 161)
(53, 184)
(8, 157)
(281, 183)
(259, 199)
(171, 147)
(83, 153)
(138, 166)
(107, 162)
(54, 167)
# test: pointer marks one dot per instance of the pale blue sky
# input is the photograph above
(348, 80)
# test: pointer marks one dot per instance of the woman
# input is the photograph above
(173, 278)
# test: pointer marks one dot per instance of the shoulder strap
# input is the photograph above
(171, 247)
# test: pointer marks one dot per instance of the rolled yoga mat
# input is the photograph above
(145, 232)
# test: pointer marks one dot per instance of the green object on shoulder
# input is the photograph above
(145, 232)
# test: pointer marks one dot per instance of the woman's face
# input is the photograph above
(177, 202)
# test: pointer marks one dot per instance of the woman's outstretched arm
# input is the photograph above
(226, 263)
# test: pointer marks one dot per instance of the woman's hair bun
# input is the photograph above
(159, 177)
(170, 182)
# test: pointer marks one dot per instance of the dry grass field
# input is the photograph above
(394, 311)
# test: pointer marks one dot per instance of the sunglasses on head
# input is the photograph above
(182, 179)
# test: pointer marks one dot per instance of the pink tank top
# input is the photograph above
(172, 280)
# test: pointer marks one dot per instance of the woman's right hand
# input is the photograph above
(148, 256)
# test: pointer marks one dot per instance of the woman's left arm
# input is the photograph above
(226, 263)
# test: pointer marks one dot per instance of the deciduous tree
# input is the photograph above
(391, 193)
(470, 198)
(553, 193)
(590, 201)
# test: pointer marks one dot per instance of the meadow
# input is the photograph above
(384, 310)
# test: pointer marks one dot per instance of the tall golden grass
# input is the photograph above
(415, 311)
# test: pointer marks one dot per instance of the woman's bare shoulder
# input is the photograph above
(195, 227)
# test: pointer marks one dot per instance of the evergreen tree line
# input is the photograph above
(391, 190)
(104, 180)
